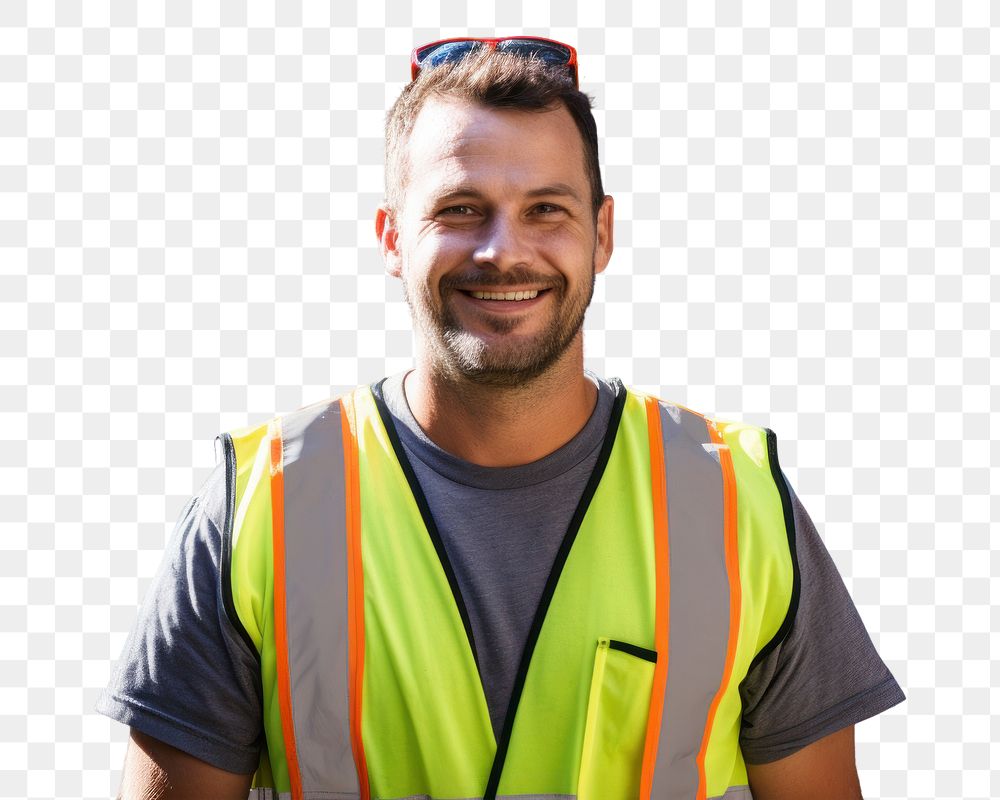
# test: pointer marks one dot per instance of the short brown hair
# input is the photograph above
(494, 80)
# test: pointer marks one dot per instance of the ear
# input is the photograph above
(388, 241)
(605, 233)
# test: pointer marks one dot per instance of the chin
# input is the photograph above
(502, 366)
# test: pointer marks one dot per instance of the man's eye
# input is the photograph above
(547, 208)
(461, 211)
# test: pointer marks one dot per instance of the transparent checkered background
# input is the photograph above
(803, 194)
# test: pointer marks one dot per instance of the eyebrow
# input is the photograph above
(557, 189)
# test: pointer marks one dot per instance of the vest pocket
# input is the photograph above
(617, 712)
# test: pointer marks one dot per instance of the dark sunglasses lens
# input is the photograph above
(443, 53)
(549, 52)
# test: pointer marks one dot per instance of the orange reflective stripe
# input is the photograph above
(280, 618)
(355, 588)
(735, 593)
(662, 551)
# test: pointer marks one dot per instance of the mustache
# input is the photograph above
(513, 277)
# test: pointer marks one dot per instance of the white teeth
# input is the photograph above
(505, 295)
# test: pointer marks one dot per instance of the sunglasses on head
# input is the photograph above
(441, 52)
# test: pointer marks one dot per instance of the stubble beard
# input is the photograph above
(458, 354)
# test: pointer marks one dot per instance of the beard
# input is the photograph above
(504, 362)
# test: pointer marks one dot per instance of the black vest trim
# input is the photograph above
(226, 572)
(786, 508)
(425, 514)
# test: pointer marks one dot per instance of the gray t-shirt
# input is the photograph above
(501, 528)
(187, 678)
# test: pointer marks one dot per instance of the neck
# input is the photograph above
(502, 427)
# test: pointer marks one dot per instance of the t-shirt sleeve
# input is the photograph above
(185, 676)
(825, 674)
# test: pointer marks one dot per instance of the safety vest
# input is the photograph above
(676, 576)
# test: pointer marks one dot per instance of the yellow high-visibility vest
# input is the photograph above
(676, 575)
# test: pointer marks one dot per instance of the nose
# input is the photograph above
(504, 245)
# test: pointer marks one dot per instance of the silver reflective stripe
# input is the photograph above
(270, 794)
(316, 597)
(499, 797)
(698, 579)
(734, 793)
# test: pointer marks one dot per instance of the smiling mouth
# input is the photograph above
(529, 294)
(516, 296)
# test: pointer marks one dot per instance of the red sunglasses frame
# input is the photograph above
(492, 43)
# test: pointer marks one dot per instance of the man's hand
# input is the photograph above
(154, 770)
(824, 770)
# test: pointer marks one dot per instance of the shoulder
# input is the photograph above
(744, 465)
(288, 424)
(246, 452)
(259, 460)
(756, 443)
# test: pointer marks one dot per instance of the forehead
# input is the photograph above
(507, 149)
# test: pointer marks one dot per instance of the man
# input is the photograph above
(497, 574)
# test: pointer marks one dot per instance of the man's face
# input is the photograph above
(496, 242)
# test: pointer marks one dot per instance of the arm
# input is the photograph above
(185, 676)
(156, 771)
(824, 770)
(814, 686)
